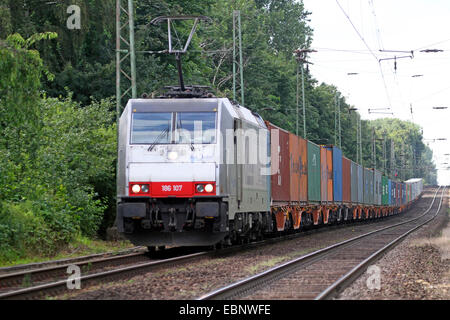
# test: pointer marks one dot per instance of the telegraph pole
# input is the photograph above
(335, 119)
(360, 141)
(303, 98)
(339, 113)
(128, 52)
(392, 162)
(301, 59)
(121, 55)
(237, 16)
(357, 140)
(403, 162)
(374, 156)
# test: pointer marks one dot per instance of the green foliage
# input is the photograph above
(56, 158)
(412, 158)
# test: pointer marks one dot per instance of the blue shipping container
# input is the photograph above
(354, 181)
(360, 184)
(337, 173)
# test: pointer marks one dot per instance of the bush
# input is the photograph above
(63, 193)
(57, 158)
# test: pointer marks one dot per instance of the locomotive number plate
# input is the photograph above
(172, 188)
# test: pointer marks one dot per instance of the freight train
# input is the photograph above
(205, 171)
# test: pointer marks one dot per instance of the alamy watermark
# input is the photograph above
(74, 280)
(74, 20)
(373, 282)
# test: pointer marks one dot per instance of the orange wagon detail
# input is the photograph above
(296, 217)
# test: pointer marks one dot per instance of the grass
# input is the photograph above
(81, 246)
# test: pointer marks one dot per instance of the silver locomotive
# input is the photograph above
(191, 172)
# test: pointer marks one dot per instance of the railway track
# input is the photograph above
(52, 280)
(51, 288)
(323, 273)
(14, 279)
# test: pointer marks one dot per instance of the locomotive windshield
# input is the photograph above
(151, 128)
(195, 127)
(174, 128)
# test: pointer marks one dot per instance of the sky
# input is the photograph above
(349, 36)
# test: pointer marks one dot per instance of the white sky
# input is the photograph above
(388, 25)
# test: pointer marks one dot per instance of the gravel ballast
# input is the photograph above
(416, 269)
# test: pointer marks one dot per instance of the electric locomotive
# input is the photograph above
(187, 172)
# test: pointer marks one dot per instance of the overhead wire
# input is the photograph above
(370, 50)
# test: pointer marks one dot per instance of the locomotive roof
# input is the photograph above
(161, 105)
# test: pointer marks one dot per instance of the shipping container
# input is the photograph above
(396, 193)
(279, 159)
(355, 181)
(407, 193)
(303, 149)
(404, 195)
(330, 175)
(314, 189)
(416, 186)
(377, 188)
(323, 175)
(368, 186)
(389, 192)
(294, 168)
(346, 180)
(337, 172)
(384, 191)
(393, 192)
(360, 183)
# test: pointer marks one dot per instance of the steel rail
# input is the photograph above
(350, 276)
(246, 284)
(63, 284)
(65, 261)
(16, 278)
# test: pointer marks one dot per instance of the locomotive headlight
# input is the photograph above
(144, 188)
(136, 188)
(209, 187)
(172, 155)
(200, 188)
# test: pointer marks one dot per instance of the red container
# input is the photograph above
(280, 189)
(346, 180)
(294, 168)
(303, 150)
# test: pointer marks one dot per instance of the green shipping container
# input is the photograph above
(313, 172)
(385, 191)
